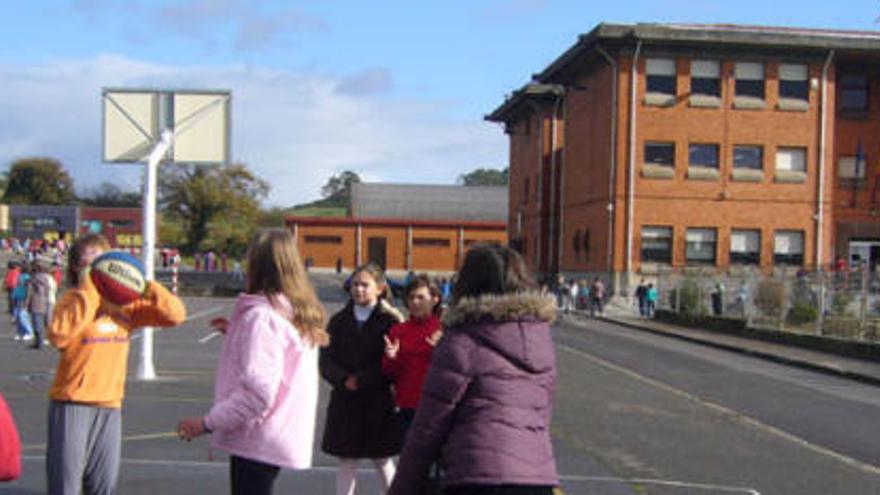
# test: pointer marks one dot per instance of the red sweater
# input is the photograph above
(409, 368)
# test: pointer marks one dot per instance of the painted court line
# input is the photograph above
(366, 470)
(863, 466)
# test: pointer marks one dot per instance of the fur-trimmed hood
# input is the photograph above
(517, 326)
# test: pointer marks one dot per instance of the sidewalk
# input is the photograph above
(855, 369)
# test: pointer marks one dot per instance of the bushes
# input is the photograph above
(770, 297)
(801, 313)
(689, 302)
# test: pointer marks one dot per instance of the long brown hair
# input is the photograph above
(274, 266)
(422, 280)
(492, 269)
(74, 256)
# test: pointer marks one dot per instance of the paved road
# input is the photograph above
(635, 413)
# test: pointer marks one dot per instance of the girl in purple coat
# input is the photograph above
(266, 390)
(486, 404)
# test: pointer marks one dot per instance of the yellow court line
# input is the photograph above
(129, 438)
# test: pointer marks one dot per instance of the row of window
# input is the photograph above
(749, 157)
(417, 241)
(750, 81)
(701, 246)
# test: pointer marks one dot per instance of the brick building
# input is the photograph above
(405, 227)
(727, 147)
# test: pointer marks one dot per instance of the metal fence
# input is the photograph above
(841, 304)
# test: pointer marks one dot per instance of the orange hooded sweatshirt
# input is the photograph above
(94, 345)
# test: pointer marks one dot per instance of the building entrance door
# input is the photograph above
(376, 251)
(864, 252)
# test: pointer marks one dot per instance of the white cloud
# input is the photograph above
(294, 129)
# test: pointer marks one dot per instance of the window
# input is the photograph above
(791, 160)
(703, 155)
(585, 243)
(121, 224)
(431, 241)
(749, 79)
(660, 154)
(849, 168)
(657, 244)
(854, 93)
(788, 247)
(748, 157)
(323, 239)
(706, 77)
(745, 247)
(660, 75)
(700, 246)
(793, 81)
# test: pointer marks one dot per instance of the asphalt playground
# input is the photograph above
(155, 461)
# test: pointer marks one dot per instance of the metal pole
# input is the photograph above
(145, 368)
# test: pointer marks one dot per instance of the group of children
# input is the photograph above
(31, 290)
(492, 382)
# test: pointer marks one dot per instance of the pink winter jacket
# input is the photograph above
(266, 390)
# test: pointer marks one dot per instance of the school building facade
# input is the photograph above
(404, 227)
(652, 147)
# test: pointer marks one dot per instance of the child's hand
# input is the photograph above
(392, 347)
(434, 338)
(189, 428)
(219, 324)
(351, 383)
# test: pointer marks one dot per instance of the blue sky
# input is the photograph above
(391, 89)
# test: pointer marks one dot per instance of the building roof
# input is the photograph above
(719, 34)
(392, 222)
(792, 40)
(429, 202)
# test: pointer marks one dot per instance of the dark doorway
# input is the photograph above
(376, 251)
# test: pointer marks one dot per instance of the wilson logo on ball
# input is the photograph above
(119, 277)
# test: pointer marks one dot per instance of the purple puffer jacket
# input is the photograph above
(487, 400)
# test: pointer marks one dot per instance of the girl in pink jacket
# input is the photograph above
(266, 390)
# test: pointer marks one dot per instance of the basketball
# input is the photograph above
(119, 277)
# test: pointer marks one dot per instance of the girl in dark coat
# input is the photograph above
(360, 417)
(486, 403)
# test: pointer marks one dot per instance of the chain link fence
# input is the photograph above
(844, 304)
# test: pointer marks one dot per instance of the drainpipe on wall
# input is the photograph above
(632, 163)
(609, 258)
(539, 197)
(409, 248)
(560, 241)
(357, 245)
(553, 184)
(820, 201)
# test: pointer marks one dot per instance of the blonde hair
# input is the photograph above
(375, 272)
(274, 266)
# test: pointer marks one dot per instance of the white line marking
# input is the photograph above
(209, 337)
(332, 469)
(206, 312)
(863, 466)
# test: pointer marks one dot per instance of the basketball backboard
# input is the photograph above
(133, 120)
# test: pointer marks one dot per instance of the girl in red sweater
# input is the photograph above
(409, 345)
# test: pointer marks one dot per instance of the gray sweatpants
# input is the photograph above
(83, 449)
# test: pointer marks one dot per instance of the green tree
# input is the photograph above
(109, 194)
(337, 190)
(218, 207)
(484, 177)
(38, 181)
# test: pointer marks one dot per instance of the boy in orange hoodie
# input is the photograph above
(92, 336)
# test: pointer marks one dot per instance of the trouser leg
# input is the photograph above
(249, 477)
(105, 445)
(345, 476)
(69, 426)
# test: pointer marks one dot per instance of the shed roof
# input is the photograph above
(429, 202)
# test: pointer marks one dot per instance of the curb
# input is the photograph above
(800, 363)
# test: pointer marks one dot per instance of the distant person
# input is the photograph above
(486, 404)
(360, 420)
(92, 337)
(10, 282)
(224, 261)
(718, 299)
(22, 317)
(39, 301)
(338, 266)
(642, 298)
(650, 300)
(583, 302)
(197, 261)
(409, 346)
(10, 445)
(597, 297)
(266, 391)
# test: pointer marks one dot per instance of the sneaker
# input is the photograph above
(28, 337)
(17, 337)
